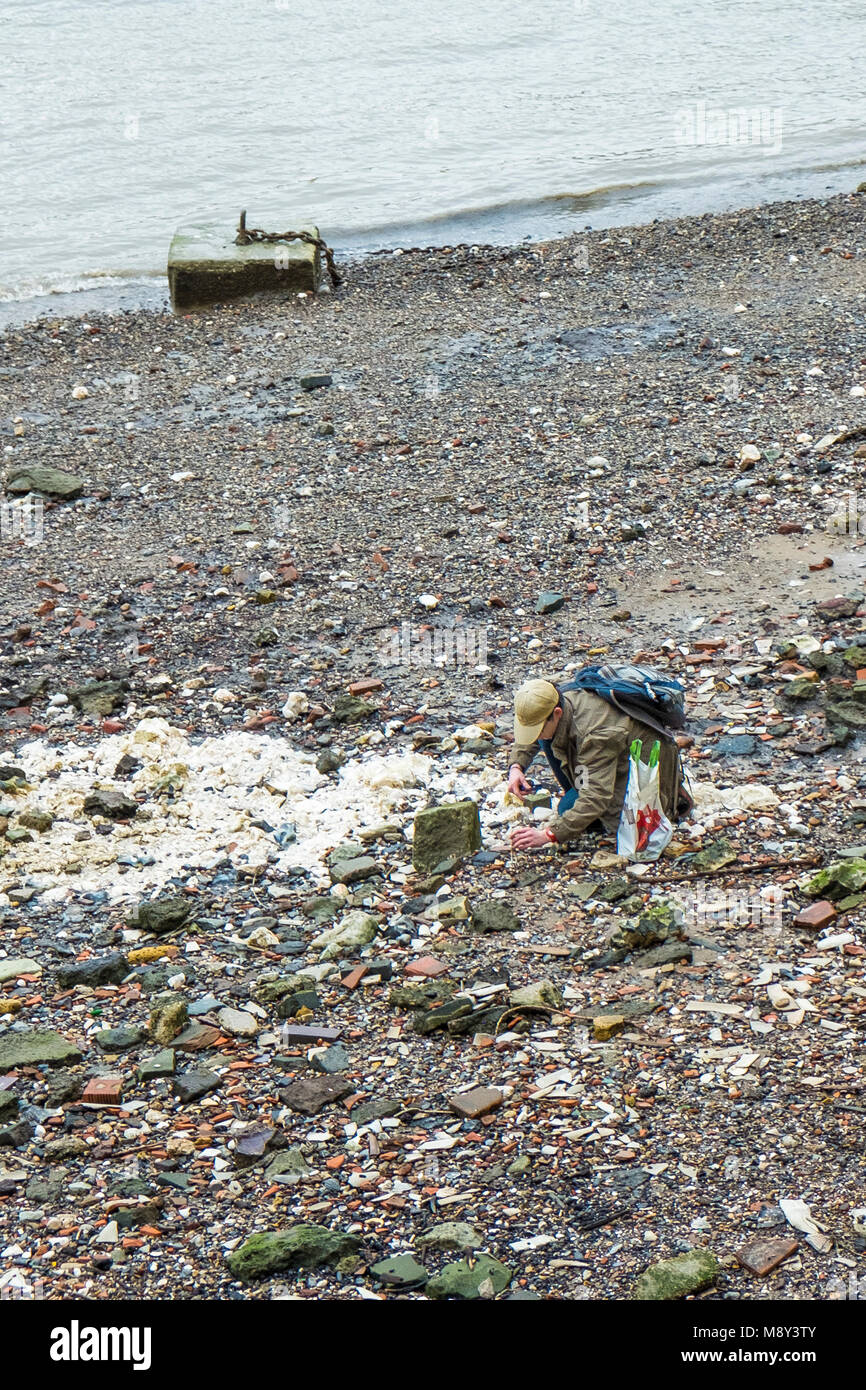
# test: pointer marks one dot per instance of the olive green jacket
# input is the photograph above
(592, 741)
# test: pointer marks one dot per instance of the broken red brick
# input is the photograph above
(477, 1102)
(365, 687)
(789, 528)
(427, 967)
(103, 1090)
(819, 915)
(352, 980)
(765, 1254)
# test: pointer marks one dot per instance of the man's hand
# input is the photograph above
(525, 837)
(517, 783)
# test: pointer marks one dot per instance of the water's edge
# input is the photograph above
(551, 218)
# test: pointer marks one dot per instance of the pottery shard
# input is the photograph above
(762, 1256)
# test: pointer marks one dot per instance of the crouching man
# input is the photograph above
(586, 741)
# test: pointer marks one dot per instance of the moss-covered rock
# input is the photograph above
(163, 914)
(355, 929)
(542, 995)
(494, 915)
(301, 1247)
(651, 928)
(675, 1278)
(36, 1048)
(838, 880)
(168, 1018)
(464, 1279)
(452, 831)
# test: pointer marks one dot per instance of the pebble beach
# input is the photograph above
(272, 573)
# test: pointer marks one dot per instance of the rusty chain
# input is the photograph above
(247, 234)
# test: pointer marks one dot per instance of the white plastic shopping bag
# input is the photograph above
(644, 829)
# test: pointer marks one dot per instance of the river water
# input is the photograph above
(401, 122)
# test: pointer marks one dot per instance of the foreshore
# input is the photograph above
(397, 482)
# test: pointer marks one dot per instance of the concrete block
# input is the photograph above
(206, 267)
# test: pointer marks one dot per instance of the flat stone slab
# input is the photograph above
(192, 1085)
(401, 1270)
(310, 1094)
(205, 266)
(31, 1049)
(19, 965)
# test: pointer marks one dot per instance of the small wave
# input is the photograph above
(42, 285)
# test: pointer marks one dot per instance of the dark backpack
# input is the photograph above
(638, 691)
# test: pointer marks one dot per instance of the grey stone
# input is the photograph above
(371, 1110)
(549, 602)
(192, 1085)
(16, 1135)
(238, 1023)
(161, 1064)
(493, 915)
(289, 1163)
(403, 1271)
(8, 1105)
(321, 909)
(463, 1279)
(103, 970)
(357, 928)
(18, 965)
(332, 1060)
(203, 1006)
(39, 477)
(34, 1048)
(112, 804)
(543, 994)
(452, 1235)
(118, 1039)
(353, 870)
(163, 914)
(735, 746)
(330, 760)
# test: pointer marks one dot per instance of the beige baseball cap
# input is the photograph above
(534, 703)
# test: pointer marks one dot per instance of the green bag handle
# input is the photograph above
(654, 753)
(635, 750)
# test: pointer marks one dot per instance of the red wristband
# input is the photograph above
(551, 837)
